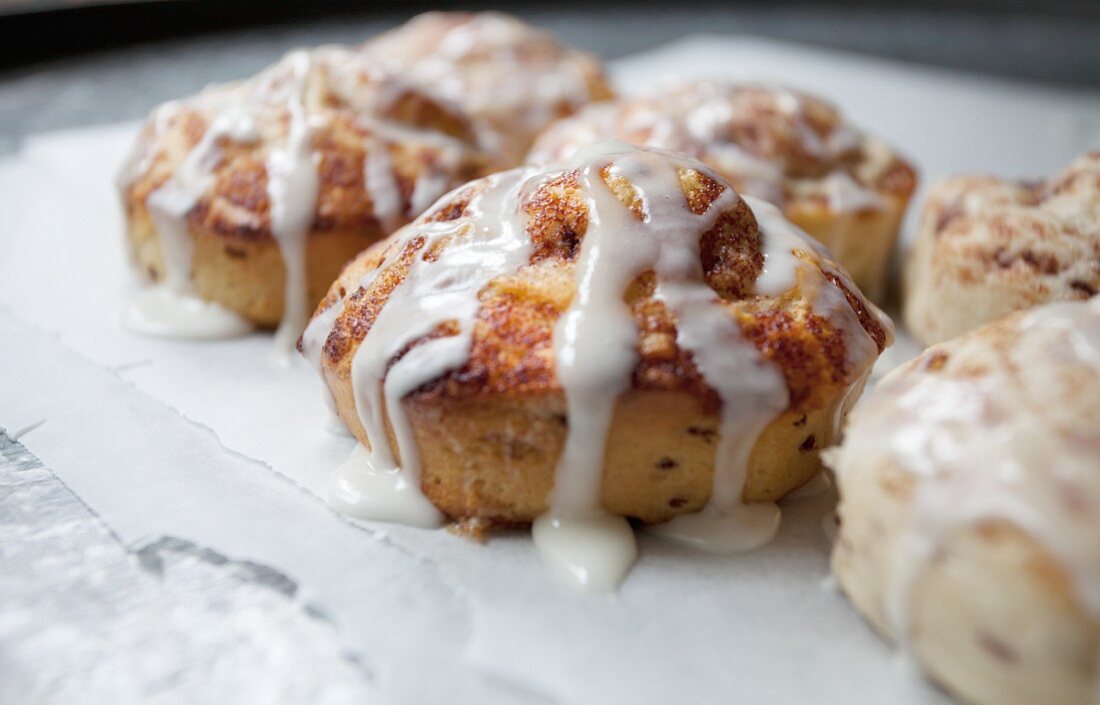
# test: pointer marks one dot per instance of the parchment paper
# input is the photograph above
(214, 444)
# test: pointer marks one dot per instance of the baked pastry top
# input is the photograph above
(970, 508)
(347, 112)
(781, 145)
(770, 142)
(511, 78)
(253, 194)
(596, 336)
(988, 246)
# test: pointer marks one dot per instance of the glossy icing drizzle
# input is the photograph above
(171, 308)
(699, 119)
(434, 293)
(255, 110)
(292, 187)
(594, 344)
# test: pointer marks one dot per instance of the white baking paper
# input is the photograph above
(214, 444)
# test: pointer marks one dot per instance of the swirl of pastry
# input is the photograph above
(987, 247)
(845, 188)
(620, 336)
(970, 508)
(253, 195)
(514, 79)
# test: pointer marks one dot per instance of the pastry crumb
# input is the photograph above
(473, 528)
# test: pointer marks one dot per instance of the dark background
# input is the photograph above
(73, 63)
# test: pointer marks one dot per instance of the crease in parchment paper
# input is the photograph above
(65, 644)
(80, 389)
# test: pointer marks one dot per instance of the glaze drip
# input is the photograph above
(279, 113)
(171, 308)
(435, 293)
(595, 342)
(292, 187)
(425, 328)
(163, 312)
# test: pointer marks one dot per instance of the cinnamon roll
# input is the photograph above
(619, 336)
(253, 195)
(987, 246)
(512, 78)
(970, 508)
(844, 187)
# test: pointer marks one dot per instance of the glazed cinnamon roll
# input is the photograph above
(620, 336)
(512, 78)
(987, 246)
(844, 187)
(970, 508)
(252, 196)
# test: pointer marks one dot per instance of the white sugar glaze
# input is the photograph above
(995, 446)
(781, 240)
(592, 554)
(249, 111)
(170, 309)
(362, 489)
(292, 187)
(435, 292)
(844, 194)
(785, 268)
(381, 183)
(160, 311)
(380, 176)
(513, 78)
(594, 344)
(699, 119)
(141, 157)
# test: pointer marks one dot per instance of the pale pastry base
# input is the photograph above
(861, 241)
(1008, 259)
(495, 459)
(246, 276)
(994, 618)
(948, 290)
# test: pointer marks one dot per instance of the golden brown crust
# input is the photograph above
(244, 275)
(512, 78)
(354, 114)
(794, 136)
(496, 461)
(846, 189)
(512, 353)
(237, 204)
(488, 434)
(385, 138)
